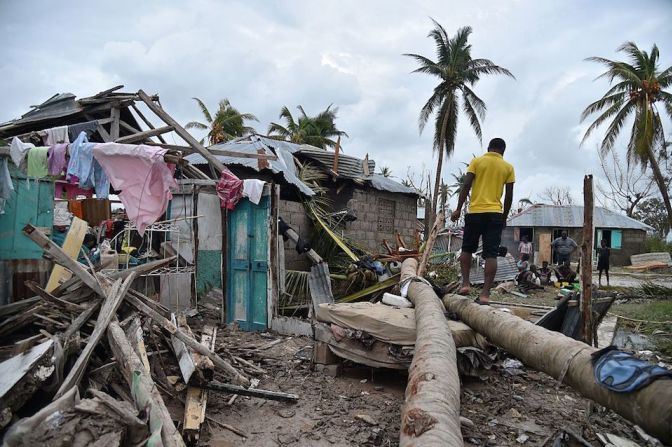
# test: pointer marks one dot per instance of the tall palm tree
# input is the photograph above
(457, 72)
(638, 89)
(319, 130)
(227, 124)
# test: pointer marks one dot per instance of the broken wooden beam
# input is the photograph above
(569, 361)
(190, 342)
(197, 397)
(107, 312)
(263, 394)
(431, 411)
(71, 245)
(587, 261)
(144, 135)
(51, 299)
(144, 392)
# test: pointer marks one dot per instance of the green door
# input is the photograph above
(29, 204)
(247, 275)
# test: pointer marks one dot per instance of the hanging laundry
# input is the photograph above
(252, 189)
(18, 150)
(88, 127)
(70, 191)
(56, 135)
(6, 186)
(142, 176)
(86, 170)
(56, 159)
(229, 189)
(36, 165)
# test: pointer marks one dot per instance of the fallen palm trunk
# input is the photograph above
(567, 360)
(431, 413)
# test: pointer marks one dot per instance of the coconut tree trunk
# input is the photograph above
(567, 360)
(662, 186)
(431, 413)
(435, 196)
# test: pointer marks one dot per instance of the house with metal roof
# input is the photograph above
(373, 207)
(542, 223)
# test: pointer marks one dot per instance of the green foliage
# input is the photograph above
(319, 130)
(227, 124)
(457, 73)
(652, 212)
(656, 244)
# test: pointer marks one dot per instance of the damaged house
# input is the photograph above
(541, 224)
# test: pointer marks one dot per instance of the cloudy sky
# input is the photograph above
(263, 55)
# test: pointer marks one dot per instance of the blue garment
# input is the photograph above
(622, 372)
(86, 168)
(6, 185)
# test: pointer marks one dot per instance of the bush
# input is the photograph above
(657, 244)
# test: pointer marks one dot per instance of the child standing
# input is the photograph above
(603, 261)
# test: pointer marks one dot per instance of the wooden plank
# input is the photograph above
(145, 394)
(263, 394)
(184, 357)
(181, 131)
(190, 342)
(545, 247)
(429, 246)
(190, 150)
(108, 311)
(13, 369)
(103, 133)
(135, 337)
(49, 298)
(587, 261)
(71, 246)
(128, 127)
(146, 121)
(144, 135)
(114, 126)
(197, 398)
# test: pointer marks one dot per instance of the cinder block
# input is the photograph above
(323, 355)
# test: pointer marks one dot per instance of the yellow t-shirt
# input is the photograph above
(491, 173)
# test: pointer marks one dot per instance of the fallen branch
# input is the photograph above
(264, 394)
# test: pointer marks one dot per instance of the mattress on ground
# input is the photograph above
(389, 324)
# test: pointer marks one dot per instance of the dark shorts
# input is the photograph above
(563, 258)
(487, 226)
(603, 264)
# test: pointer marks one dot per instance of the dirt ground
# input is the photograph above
(361, 407)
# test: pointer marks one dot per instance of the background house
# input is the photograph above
(543, 223)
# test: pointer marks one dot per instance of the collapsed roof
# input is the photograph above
(571, 216)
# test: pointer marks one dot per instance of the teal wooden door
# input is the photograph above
(29, 204)
(247, 276)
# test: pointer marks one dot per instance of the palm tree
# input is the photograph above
(227, 124)
(457, 73)
(637, 90)
(319, 130)
(385, 171)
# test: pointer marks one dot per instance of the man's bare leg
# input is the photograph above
(465, 269)
(490, 272)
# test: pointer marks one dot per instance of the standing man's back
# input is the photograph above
(486, 177)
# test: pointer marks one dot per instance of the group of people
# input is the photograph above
(489, 177)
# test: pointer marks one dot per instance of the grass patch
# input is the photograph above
(654, 311)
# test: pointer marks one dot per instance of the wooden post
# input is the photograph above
(114, 126)
(181, 131)
(149, 123)
(337, 151)
(587, 261)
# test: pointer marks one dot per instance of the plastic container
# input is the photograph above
(109, 260)
(396, 300)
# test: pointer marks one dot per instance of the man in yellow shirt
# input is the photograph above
(486, 177)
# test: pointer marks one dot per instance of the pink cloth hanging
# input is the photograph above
(229, 189)
(142, 176)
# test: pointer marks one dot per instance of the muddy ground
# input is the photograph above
(361, 407)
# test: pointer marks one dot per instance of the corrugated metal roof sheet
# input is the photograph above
(284, 165)
(506, 271)
(571, 216)
(383, 183)
(348, 167)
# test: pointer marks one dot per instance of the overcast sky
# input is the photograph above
(264, 55)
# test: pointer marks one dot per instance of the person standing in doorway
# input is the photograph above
(564, 246)
(603, 261)
(524, 248)
(487, 176)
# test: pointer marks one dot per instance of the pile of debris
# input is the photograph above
(93, 333)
